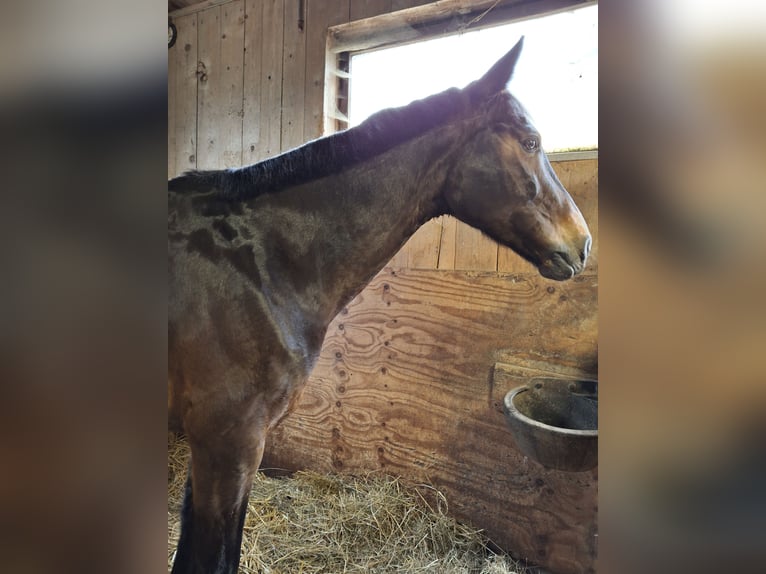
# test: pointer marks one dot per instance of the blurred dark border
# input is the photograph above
(83, 287)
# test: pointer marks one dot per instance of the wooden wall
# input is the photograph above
(412, 373)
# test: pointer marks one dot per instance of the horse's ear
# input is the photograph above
(498, 76)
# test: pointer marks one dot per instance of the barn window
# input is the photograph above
(556, 78)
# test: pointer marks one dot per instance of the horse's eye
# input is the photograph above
(530, 144)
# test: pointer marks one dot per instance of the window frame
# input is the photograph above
(425, 22)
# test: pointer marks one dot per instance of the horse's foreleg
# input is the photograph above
(182, 559)
(220, 478)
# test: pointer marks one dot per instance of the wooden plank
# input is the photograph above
(221, 45)
(448, 243)
(232, 80)
(508, 261)
(401, 259)
(271, 78)
(367, 8)
(474, 251)
(404, 4)
(423, 252)
(293, 78)
(208, 71)
(183, 62)
(405, 384)
(195, 7)
(253, 72)
(178, 4)
(173, 56)
(319, 16)
(433, 19)
(264, 37)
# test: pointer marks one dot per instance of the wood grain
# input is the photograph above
(403, 4)
(448, 243)
(193, 6)
(272, 47)
(209, 87)
(173, 58)
(406, 384)
(423, 247)
(232, 81)
(252, 146)
(182, 98)
(367, 8)
(474, 251)
(220, 81)
(293, 79)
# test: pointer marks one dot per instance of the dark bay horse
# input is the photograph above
(263, 257)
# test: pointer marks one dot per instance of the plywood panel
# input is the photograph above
(405, 384)
(182, 98)
(319, 16)
(220, 69)
(293, 78)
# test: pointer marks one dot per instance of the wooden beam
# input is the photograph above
(198, 7)
(437, 19)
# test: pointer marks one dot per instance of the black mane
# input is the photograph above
(326, 156)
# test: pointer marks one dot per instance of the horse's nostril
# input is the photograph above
(586, 249)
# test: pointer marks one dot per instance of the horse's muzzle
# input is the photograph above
(565, 264)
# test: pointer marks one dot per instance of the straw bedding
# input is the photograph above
(314, 523)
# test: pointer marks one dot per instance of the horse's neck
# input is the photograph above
(353, 223)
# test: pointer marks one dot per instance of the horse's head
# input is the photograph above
(503, 184)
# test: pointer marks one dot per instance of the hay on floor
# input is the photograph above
(314, 523)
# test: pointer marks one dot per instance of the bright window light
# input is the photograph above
(556, 78)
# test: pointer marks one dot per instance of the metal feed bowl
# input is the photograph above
(555, 422)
